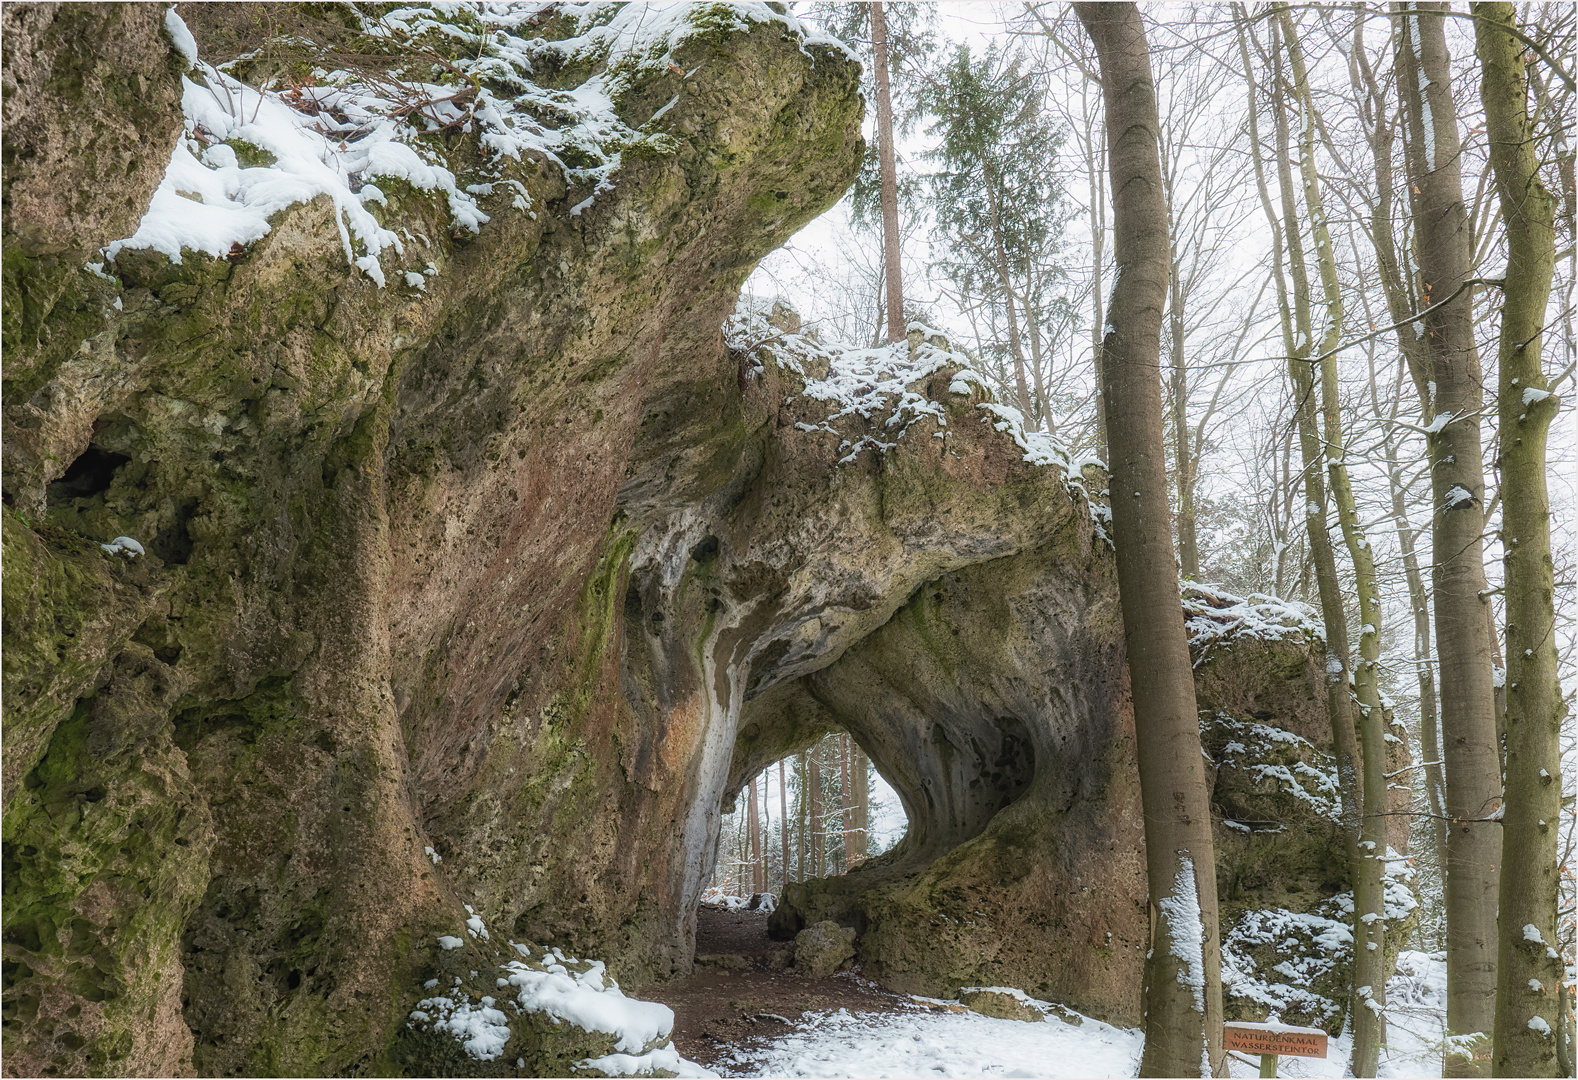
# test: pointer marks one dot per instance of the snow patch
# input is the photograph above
(123, 546)
(181, 37)
(876, 395)
(1186, 933)
(329, 140)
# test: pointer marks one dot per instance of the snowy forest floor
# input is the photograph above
(745, 1013)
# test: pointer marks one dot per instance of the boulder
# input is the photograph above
(1003, 1002)
(823, 948)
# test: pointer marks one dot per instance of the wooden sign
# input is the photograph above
(1274, 1039)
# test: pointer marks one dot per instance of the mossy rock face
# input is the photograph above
(470, 1019)
(71, 187)
(1283, 880)
(1002, 1003)
(995, 702)
(493, 592)
(381, 609)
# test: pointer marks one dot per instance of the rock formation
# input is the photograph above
(480, 569)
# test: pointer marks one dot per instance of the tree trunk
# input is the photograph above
(1528, 970)
(803, 810)
(1443, 242)
(862, 780)
(1098, 237)
(890, 182)
(1399, 302)
(1043, 410)
(1369, 899)
(755, 834)
(1188, 545)
(818, 842)
(1294, 305)
(783, 817)
(1183, 990)
(846, 816)
(1419, 604)
(1005, 280)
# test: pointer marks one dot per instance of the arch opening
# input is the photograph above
(816, 813)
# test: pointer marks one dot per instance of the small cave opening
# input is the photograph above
(817, 813)
(91, 474)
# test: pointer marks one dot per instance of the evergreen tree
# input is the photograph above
(998, 202)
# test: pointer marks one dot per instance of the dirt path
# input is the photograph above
(744, 993)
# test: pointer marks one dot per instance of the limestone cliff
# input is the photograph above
(478, 568)
(379, 610)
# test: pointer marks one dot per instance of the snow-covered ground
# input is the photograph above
(927, 1043)
(1415, 1027)
(945, 1044)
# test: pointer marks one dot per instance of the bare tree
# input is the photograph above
(890, 184)
(1528, 966)
(1183, 990)
(783, 818)
(1442, 240)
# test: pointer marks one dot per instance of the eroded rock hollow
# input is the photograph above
(484, 579)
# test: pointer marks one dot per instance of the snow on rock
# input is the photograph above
(1308, 948)
(579, 992)
(1271, 753)
(335, 138)
(883, 387)
(124, 546)
(564, 990)
(481, 1029)
(181, 37)
(1214, 616)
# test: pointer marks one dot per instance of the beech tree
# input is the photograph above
(1394, 271)
(1183, 989)
(1528, 969)
(1453, 381)
(1368, 859)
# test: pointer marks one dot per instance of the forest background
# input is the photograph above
(1289, 206)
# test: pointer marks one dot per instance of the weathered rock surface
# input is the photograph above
(1005, 1003)
(380, 610)
(822, 948)
(1281, 867)
(491, 592)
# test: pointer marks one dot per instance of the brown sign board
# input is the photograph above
(1274, 1039)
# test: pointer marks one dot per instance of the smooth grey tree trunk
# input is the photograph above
(1183, 990)
(1529, 969)
(1443, 243)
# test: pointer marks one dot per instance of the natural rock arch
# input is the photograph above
(485, 593)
